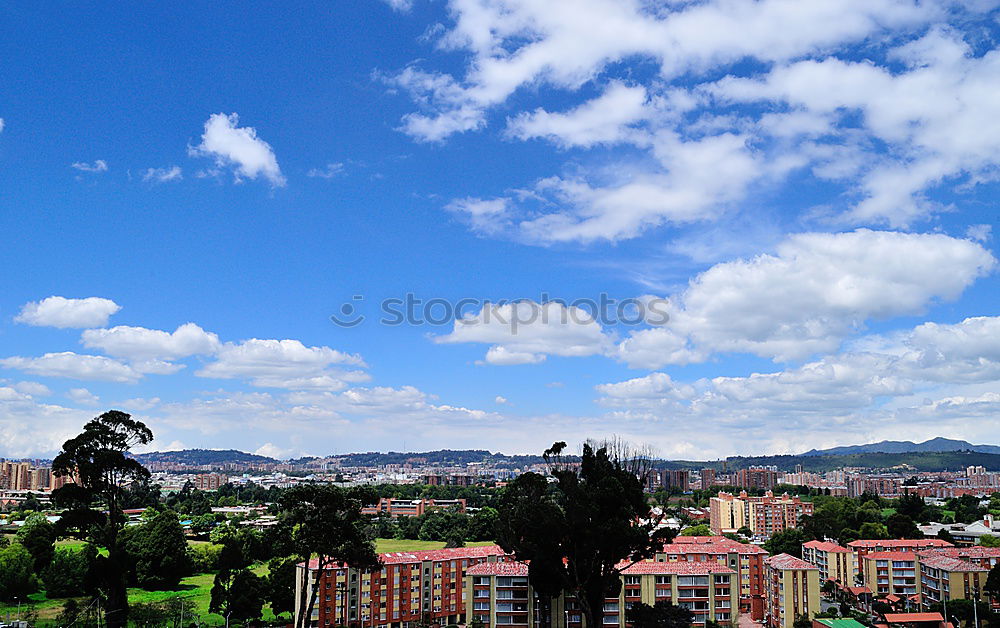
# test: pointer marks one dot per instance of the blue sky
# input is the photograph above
(808, 189)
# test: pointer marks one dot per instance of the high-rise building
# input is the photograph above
(707, 479)
(834, 562)
(792, 587)
(757, 477)
(762, 515)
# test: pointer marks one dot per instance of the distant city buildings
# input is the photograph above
(412, 507)
(763, 516)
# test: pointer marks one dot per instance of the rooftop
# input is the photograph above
(911, 556)
(682, 568)
(902, 618)
(787, 561)
(498, 569)
(870, 543)
(825, 546)
(949, 563)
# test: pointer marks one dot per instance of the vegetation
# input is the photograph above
(662, 614)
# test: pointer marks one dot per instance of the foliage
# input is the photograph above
(992, 585)
(802, 621)
(96, 460)
(989, 540)
(787, 541)
(327, 522)
(66, 574)
(205, 557)
(900, 526)
(662, 614)
(238, 594)
(159, 552)
(281, 584)
(38, 536)
(17, 575)
(874, 531)
(575, 533)
(701, 529)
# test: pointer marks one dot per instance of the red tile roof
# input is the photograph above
(976, 551)
(787, 561)
(825, 546)
(454, 553)
(683, 568)
(870, 543)
(509, 568)
(911, 556)
(948, 563)
(899, 618)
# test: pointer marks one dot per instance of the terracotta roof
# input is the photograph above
(787, 561)
(710, 545)
(859, 590)
(825, 546)
(897, 618)
(975, 551)
(454, 553)
(898, 543)
(949, 563)
(498, 569)
(681, 568)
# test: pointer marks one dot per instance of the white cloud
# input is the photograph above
(806, 298)
(527, 332)
(35, 389)
(74, 366)
(273, 451)
(30, 428)
(99, 165)
(330, 171)
(3, 125)
(603, 120)
(83, 397)
(283, 364)
(239, 147)
(400, 5)
(500, 400)
(141, 344)
(163, 175)
(65, 313)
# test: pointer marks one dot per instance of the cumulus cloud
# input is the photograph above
(21, 417)
(64, 313)
(83, 397)
(527, 332)
(284, 364)
(35, 389)
(162, 175)
(74, 366)
(98, 165)
(814, 291)
(240, 148)
(141, 344)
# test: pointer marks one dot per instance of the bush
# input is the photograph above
(66, 574)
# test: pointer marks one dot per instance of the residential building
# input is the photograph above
(792, 590)
(412, 507)
(892, 573)
(746, 560)
(944, 578)
(762, 515)
(411, 588)
(757, 477)
(499, 594)
(834, 561)
(863, 547)
(707, 479)
(209, 481)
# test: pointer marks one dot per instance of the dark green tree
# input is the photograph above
(66, 574)
(992, 586)
(787, 541)
(281, 584)
(38, 536)
(662, 614)
(159, 552)
(802, 621)
(17, 574)
(576, 533)
(900, 526)
(96, 460)
(327, 522)
(871, 530)
(237, 593)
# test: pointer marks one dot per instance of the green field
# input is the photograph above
(197, 589)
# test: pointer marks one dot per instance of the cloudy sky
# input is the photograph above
(804, 192)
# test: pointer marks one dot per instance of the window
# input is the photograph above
(634, 580)
(611, 619)
(689, 581)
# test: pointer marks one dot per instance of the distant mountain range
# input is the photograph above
(204, 457)
(904, 446)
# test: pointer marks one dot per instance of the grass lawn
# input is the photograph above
(386, 546)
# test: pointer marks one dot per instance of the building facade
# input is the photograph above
(834, 561)
(763, 515)
(792, 590)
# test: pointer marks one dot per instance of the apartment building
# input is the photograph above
(986, 556)
(792, 590)
(757, 477)
(893, 572)
(707, 478)
(209, 481)
(762, 515)
(499, 594)
(863, 547)
(747, 561)
(411, 588)
(412, 507)
(834, 561)
(944, 578)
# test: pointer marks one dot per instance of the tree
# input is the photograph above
(281, 584)
(101, 471)
(787, 541)
(911, 506)
(159, 552)
(66, 574)
(237, 593)
(327, 522)
(900, 526)
(17, 575)
(576, 533)
(662, 614)
(702, 529)
(38, 536)
(944, 535)
(989, 540)
(992, 586)
(802, 621)
(872, 530)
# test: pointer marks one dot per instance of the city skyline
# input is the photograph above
(199, 204)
